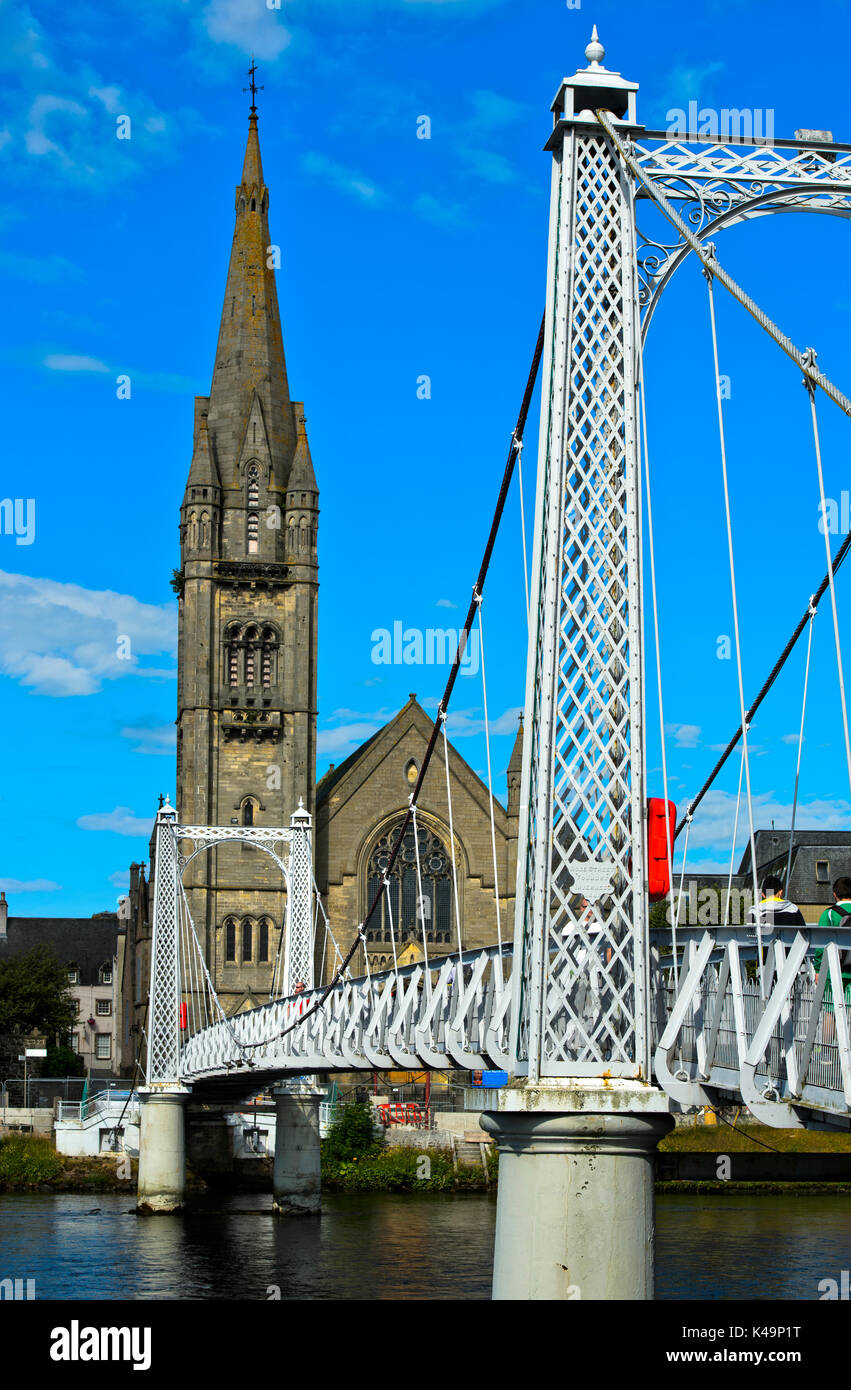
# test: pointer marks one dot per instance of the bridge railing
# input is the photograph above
(453, 1013)
(780, 1041)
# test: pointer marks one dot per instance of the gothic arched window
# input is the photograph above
(268, 658)
(230, 939)
(263, 940)
(435, 909)
(232, 646)
(251, 636)
(246, 939)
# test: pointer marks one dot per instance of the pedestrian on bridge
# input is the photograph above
(839, 915)
(774, 910)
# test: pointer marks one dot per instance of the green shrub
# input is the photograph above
(27, 1159)
(352, 1135)
(402, 1170)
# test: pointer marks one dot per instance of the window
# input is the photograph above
(263, 940)
(103, 1008)
(248, 811)
(230, 939)
(246, 940)
(253, 532)
(251, 636)
(73, 975)
(105, 974)
(268, 657)
(75, 1006)
(75, 1042)
(823, 870)
(103, 1047)
(435, 909)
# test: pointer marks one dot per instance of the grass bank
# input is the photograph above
(30, 1163)
(751, 1138)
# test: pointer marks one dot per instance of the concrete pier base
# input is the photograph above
(162, 1150)
(575, 1205)
(296, 1182)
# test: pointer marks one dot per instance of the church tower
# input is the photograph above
(246, 722)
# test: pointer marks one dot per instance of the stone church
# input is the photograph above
(247, 689)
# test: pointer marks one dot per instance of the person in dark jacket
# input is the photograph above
(774, 910)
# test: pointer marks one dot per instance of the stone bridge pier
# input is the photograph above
(297, 1182)
(162, 1149)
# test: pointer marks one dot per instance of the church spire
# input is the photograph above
(250, 352)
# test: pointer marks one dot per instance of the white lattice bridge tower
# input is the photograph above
(183, 1000)
(579, 1123)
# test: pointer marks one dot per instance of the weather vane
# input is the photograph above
(253, 88)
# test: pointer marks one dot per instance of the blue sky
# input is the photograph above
(401, 258)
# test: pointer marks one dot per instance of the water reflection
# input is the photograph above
(381, 1246)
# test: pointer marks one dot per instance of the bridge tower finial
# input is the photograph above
(595, 52)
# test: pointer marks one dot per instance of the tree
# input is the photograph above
(63, 1061)
(34, 998)
(352, 1134)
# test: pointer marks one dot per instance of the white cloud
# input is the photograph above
(488, 164)
(43, 269)
(686, 81)
(445, 603)
(33, 885)
(465, 723)
(712, 827)
(61, 639)
(161, 738)
(344, 739)
(247, 25)
(62, 111)
(442, 214)
(66, 362)
(44, 110)
(110, 97)
(684, 735)
(120, 879)
(346, 180)
(121, 821)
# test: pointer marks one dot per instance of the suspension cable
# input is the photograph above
(736, 632)
(421, 901)
(516, 438)
(735, 837)
(490, 778)
(707, 257)
(775, 672)
(830, 568)
(805, 360)
(800, 746)
(523, 527)
(650, 536)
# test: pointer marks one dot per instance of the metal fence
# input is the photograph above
(42, 1092)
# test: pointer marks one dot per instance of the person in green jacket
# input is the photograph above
(839, 915)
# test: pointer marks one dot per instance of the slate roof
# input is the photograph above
(87, 942)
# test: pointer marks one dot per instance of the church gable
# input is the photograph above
(368, 796)
(403, 741)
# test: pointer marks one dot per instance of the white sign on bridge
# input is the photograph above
(591, 878)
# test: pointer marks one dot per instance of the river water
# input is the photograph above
(381, 1246)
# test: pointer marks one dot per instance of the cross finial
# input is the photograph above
(253, 88)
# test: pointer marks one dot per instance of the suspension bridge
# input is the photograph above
(602, 1024)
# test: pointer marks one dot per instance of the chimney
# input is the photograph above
(4, 916)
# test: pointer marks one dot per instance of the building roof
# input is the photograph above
(771, 843)
(87, 942)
